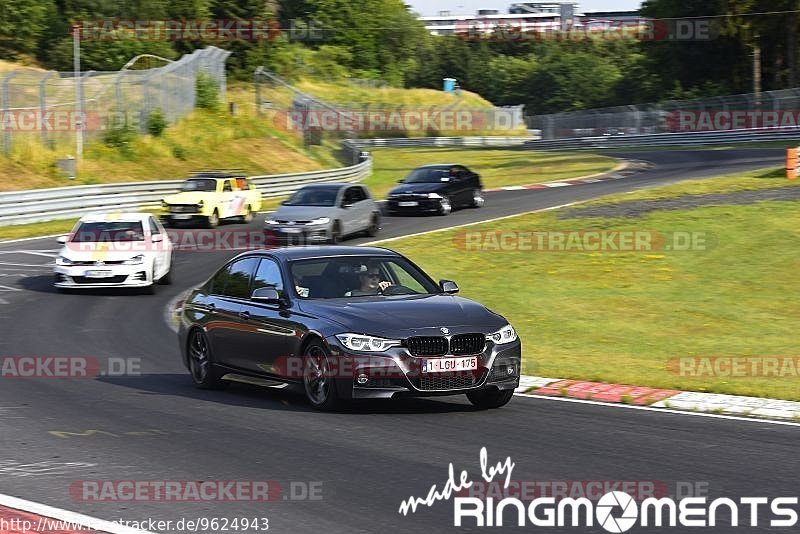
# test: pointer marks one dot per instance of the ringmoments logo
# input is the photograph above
(615, 511)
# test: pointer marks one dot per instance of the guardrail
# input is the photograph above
(41, 205)
(400, 142)
(669, 139)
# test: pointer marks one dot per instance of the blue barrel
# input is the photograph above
(449, 85)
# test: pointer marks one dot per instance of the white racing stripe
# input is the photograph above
(67, 516)
(657, 410)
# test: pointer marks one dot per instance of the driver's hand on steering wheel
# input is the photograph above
(382, 285)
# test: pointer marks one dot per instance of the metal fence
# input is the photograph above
(52, 107)
(771, 109)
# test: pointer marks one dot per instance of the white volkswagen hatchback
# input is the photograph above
(114, 250)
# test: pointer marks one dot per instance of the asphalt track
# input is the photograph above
(157, 426)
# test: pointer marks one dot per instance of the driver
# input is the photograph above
(371, 283)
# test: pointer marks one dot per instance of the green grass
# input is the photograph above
(620, 317)
(497, 167)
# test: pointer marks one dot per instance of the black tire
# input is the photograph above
(445, 206)
(336, 233)
(490, 398)
(374, 225)
(318, 380)
(201, 362)
(248, 215)
(212, 221)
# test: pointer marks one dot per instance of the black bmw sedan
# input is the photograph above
(345, 323)
(436, 189)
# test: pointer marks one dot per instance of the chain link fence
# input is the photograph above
(52, 107)
(767, 110)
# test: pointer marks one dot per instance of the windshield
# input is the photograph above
(199, 184)
(360, 276)
(108, 232)
(313, 196)
(426, 175)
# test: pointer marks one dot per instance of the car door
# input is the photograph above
(229, 339)
(462, 194)
(269, 330)
(349, 212)
(160, 247)
(362, 207)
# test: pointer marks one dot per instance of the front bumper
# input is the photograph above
(298, 235)
(397, 373)
(86, 276)
(423, 205)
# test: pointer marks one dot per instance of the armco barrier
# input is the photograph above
(40, 205)
(670, 139)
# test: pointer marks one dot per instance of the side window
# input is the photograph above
(364, 193)
(459, 172)
(358, 194)
(268, 274)
(154, 229)
(226, 188)
(238, 283)
(217, 285)
(349, 196)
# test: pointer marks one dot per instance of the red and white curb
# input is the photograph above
(623, 170)
(18, 516)
(668, 399)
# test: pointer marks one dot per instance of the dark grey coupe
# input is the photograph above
(345, 323)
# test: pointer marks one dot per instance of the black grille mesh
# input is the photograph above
(447, 381)
(468, 344)
(427, 346)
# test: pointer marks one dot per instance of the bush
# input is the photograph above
(156, 123)
(207, 91)
(120, 136)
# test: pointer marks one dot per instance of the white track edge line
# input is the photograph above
(658, 410)
(66, 516)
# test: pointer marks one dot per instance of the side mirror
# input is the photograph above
(266, 295)
(62, 239)
(445, 178)
(156, 238)
(448, 286)
(401, 181)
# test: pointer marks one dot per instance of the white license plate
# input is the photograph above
(444, 365)
(407, 204)
(182, 217)
(292, 230)
(99, 274)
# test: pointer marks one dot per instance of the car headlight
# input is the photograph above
(320, 220)
(366, 343)
(434, 195)
(63, 261)
(136, 260)
(507, 334)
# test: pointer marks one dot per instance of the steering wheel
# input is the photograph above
(398, 290)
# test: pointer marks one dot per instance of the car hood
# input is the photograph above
(188, 197)
(105, 251)
(404, 316)
(302, 213)
(422, 187)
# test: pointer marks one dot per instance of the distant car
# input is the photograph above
(436, 189)
(212, 196)
(117, 250)
(345, 323)
(324, 213)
